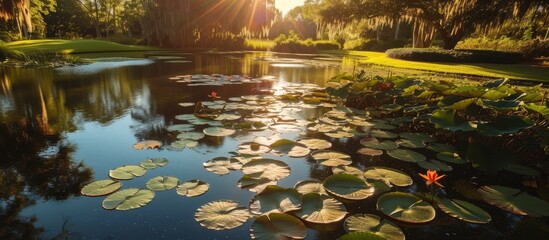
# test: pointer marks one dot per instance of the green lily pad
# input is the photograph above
(348, 187)
(383, 134)
(375, 144)
(218, 132)
(464, 211)
(310, 186)
(463, 104)
(370, 152)
(388, 175)
(315, 143)
(390, 107)
(339, 134)
(191, 136)
(182, 144)
(254, 183)
(522, 170)
(222, 165)
(447, 119)
(349, 170)
(286, 128)
(501, 105)
(407, 155)
(193, 188)
(488, 159)
(467, 189)
(441, 147)
(127, 172)
(267, 168)
(421, 137)
(148, 144)
(278, 226)
(435, 165)
(361, 236)
(293, 149)
(101, 188)
(451, 157)
(405, 207)
(181, 128)
(382, 125)
(221, 215)
(321, 209)
(505, 125)
(373, 224)
(494, 95)
(514, 200)
(153, 163)
(253, 148)
(411, 143)
(128, 199)
(332, 158)
(540, 109)
(162, 183)
(227, 117)
(275, 199)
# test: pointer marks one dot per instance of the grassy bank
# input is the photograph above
(74, 46)
(512, 71)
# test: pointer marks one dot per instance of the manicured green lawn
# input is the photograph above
(75, 46)
(512, 71)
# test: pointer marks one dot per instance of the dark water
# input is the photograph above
(61, 129)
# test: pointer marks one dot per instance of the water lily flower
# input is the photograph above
(214, 95)
(432, 177)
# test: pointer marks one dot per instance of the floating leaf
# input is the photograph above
(382, 134)
(310, 186)
(514, 200)
(464, 211)
(435, 165)
(181, 128)
(407, 155)
(540, 109)
(405, 207)
(227, 117)
(447, 119)
(190, 136)
(221, 215)
(275, 199)
(182, 144)
(278, 226)
(349, 170)
(315, 144)
(153, 163)
(389, 176)
(254, 183)
(222, 165)
(253, 148)
(421, 137)
(218, 132)
(501, 105)
(348, 187)
(441, 147)
(193, 188)
(375, 144)
(370, 152)
(521, 169)
(487, 159)
(373, 224)
(127, 172)
(101, 188)
(339, 134)
(128, 199)
(411, 143)
(361, 236)
(267, 168)
(149, 144)
(286, 128)
(189, 104)
(162, 183)
(293, 149)
(321, 209)
(451, 157)
(332, 158)
(505, 125)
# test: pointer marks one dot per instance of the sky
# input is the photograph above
(286, 5)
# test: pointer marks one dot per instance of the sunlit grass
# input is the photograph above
(259, 44)
(512, 71)
(74, 46)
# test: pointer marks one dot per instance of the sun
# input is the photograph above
(286, 5)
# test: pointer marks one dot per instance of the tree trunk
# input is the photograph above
(397, 29)
(96, 20)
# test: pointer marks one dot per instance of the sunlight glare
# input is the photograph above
(286, 5)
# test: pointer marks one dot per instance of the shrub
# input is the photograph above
(326, 45)
(456, 56)
(372, 45)
(259, 44)
(292, 43)
(7, 37)
(529, 48)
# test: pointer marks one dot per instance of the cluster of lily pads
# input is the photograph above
(213, 80)
(275, 126)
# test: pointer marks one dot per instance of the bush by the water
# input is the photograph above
(293, 44)
(36, 58)
(455, 56)
(529, 48)
(372, 45)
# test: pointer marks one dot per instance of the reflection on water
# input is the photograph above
(61, 128)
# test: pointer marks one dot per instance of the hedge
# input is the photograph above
(455, 56)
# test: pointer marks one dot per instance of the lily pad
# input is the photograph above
(153, 163)
(514, 200)
(451, 157)
(490, 160)
(361, 236)
(441, 147)
(193, 188)
(339, 134)
(464, 211)
(447, 119)
(349, 170)
(218, 132)
(286, 128)
(435, 165)
(278, 226)
(182, 144)
(388, 175)
(370, 152)
(293, 149)
(348, 187)
(267, 168)
(332, 158)
(521, 169)
(374, 224)
(310, 186)
(181, 128)
(405, 207)
(383, 134)
(411, 143)
(253, 148)
(221, 215)
(191, 136)
(222, 165)
(227, 117)
(505, 125)
(375, 144)
(127, 172)
(422, 137)
(321, 209)
(148, 144)
(162, 183)
(315, 143)
(254, 183)
(407, 155)
(101, 188)
(275, 199)
(128, 199)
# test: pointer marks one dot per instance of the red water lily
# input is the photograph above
(432, 177)
(213, 95)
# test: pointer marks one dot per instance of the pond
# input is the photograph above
(63, 128)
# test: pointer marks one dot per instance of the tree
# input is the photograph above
(18, 10)
(69, 20)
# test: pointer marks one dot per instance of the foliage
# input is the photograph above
(371, 45)
(529, 48)
(35, 58)
(292, 43)
(259, 44)
(457, 56)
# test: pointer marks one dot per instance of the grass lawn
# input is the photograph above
(75, 46)
(512, 71)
